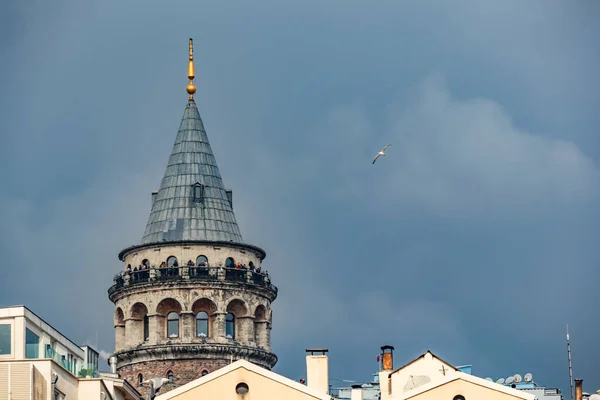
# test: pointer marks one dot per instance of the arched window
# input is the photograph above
(173, 325)
(201, 261)
(204, 373)
(146, 327)
(170, 377)
(230, 326)
(140, 379)
(146, 263)
(172, 262)
(202, 324)
(230, 263)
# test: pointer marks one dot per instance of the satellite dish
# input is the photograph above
(489, 379)
(528, 377)
(500, 381)
(517, 378)
(509, 380)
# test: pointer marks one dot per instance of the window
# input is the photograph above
(201, 261)
(146, 327)
(202, 324)
(173, 325)
(140, 379)
(198, 192)
(5, 339)
(170, 377)
(146, 263)
(49, 351)
(230, 263)
(172, 262)
(204, 373)
(459, 397)
(32, 344)
(230, 326)
(242, 389)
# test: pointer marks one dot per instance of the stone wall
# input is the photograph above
(216, 255)
(184, 371)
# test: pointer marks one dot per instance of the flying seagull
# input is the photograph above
(381, 153)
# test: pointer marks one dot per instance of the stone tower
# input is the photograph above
(192, 296)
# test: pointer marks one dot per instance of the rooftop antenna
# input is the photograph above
(570, 368)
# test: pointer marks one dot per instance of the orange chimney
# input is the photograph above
(387, 363)
(578, 389)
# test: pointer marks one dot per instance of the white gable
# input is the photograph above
(250, 367)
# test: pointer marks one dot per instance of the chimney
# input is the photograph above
(578, 389)
(317, 370)
(357, 393)
(387, 365)
(387, 355)
(112, 361)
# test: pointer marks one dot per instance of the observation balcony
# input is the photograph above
(191, 273)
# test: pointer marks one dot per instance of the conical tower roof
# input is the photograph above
(192, 203)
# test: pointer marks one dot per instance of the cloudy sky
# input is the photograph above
(476, 237)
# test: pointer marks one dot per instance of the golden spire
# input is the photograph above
(191, 88)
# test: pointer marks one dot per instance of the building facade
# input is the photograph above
(38, 363)
(192, 296)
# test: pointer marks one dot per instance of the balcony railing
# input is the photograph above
(74, 367)
(191, 273)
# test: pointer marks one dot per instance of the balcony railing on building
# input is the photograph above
(191, 273)
(76, 368)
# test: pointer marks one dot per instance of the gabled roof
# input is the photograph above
(420, 357)
(175, 215)
(471, 379)
(250, 367)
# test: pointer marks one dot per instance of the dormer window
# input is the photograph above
(198, 192)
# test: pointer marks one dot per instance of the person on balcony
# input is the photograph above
(163, 265)
(128, 270)
(190, 263)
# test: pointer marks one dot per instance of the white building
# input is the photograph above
(37, 362)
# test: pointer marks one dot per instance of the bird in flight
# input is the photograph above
(381, 153)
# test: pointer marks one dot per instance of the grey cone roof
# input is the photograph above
(175, 215)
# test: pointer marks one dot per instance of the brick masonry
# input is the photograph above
(184, 371)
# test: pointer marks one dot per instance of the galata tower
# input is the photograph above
(192, 296)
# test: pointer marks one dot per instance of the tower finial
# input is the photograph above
(191, 88)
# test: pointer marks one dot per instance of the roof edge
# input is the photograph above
(256, 249)
(418, 358)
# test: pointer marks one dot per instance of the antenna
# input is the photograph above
(500, 381)
(570, 368)
(517, 378)
(528, 377)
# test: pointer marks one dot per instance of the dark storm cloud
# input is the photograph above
(475, 237)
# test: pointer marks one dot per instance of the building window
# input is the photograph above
(173, 325)
(230, 263)
(146, 328)
(146, 263)
(202, 324)
(32, 344)
(198, 192)
(230, 326)
(204, 373)
(170, 377)
(202, 261)
(172, 262)
(140, 379)
(5, 339)
(242, 389)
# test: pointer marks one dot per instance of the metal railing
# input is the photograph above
(191, 273)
